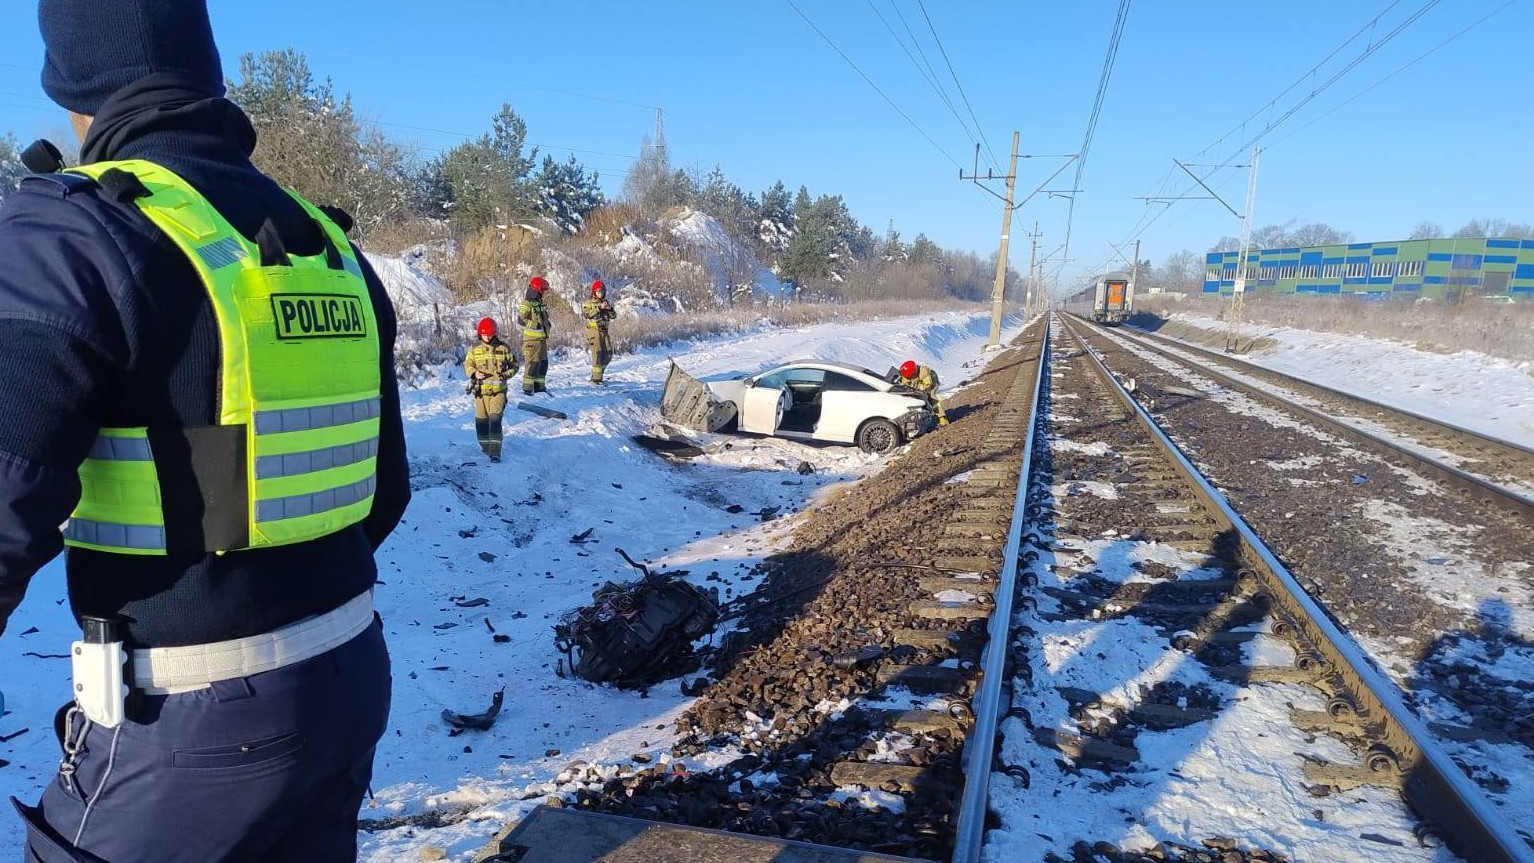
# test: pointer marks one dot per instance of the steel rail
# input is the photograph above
(1433, 784)
(1247, 365)
(980, 743)
(1478, 486)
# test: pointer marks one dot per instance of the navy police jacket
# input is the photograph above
(104, 323)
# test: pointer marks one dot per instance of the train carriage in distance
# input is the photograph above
(1113, 298)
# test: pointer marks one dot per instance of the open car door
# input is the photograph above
(687, 402)
(764, 408)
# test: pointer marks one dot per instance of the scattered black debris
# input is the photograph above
(637, 632)
(477, 721)
(487, 557)
(489, 625)
(501, 638)
(857, 658)
(464, 602)
(806, 468)
(469, 533)
(31, 630)
(669, 448)
(734, 508)
(551, 753)
(445, 625)
(768, 513)
(7, 738)
(617, 485)
(583, 536)
(518, 615)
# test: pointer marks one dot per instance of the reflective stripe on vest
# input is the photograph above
(299, 374)
(119, 506)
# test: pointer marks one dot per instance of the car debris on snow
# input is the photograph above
(476, 721)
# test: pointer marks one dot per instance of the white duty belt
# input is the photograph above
(169, 670)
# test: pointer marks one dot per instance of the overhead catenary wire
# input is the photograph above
(1418, 59)
(1369, 51)
(1109, 58)
(972, 135)
(870, 82)
(979, 127)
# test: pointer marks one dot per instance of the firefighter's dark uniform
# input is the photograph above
(198, 383)
(533, 317)
(598, 314)
(926, 382)
(498, 364)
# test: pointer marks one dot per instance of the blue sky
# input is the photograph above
(750, 86)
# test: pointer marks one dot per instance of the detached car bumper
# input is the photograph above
(917, 422)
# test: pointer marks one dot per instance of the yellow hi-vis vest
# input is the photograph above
(295, 448)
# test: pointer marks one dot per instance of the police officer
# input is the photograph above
(489, 364)
(924, 380)
(197, 383)
(598, 313)
(533, 316)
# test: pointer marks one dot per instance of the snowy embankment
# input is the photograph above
(1480, 392)
(503, 534)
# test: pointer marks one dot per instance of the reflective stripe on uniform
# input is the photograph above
(295, 463)
(121, 449)
(298, 505)
(318, 417)
(147, 537)
(221, 253)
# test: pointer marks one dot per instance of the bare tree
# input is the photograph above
(1182, 271)
(1426, 230)
(1483, 228)
(1317, 234)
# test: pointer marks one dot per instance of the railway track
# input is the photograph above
(1359, 705)
(848, 707)
(884, 700)
(1490, 469)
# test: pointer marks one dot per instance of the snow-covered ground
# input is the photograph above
(503, 533)
(1490, 395)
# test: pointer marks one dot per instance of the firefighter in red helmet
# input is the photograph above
(533, 316)
(924, 380)
(489, 364)
(598, 313)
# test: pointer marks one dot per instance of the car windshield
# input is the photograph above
(778, 378)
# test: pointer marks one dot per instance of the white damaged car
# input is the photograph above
(807, 400)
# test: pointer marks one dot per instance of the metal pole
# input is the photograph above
(1033, 255)
(1238, 290)
(998, 290)
(1134, 270)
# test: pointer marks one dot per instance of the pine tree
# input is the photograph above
(11, 169)
(893, 250)
(485, 181)
(567, 193)
(924, 252)
(775, 224)
(310, 140)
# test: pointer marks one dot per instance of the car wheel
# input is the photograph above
(879, 436)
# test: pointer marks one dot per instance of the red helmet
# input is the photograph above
(486, 327)
(538, 284)
(908, 369)
(598, 286)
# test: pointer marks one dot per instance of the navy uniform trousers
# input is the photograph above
(260, 769)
